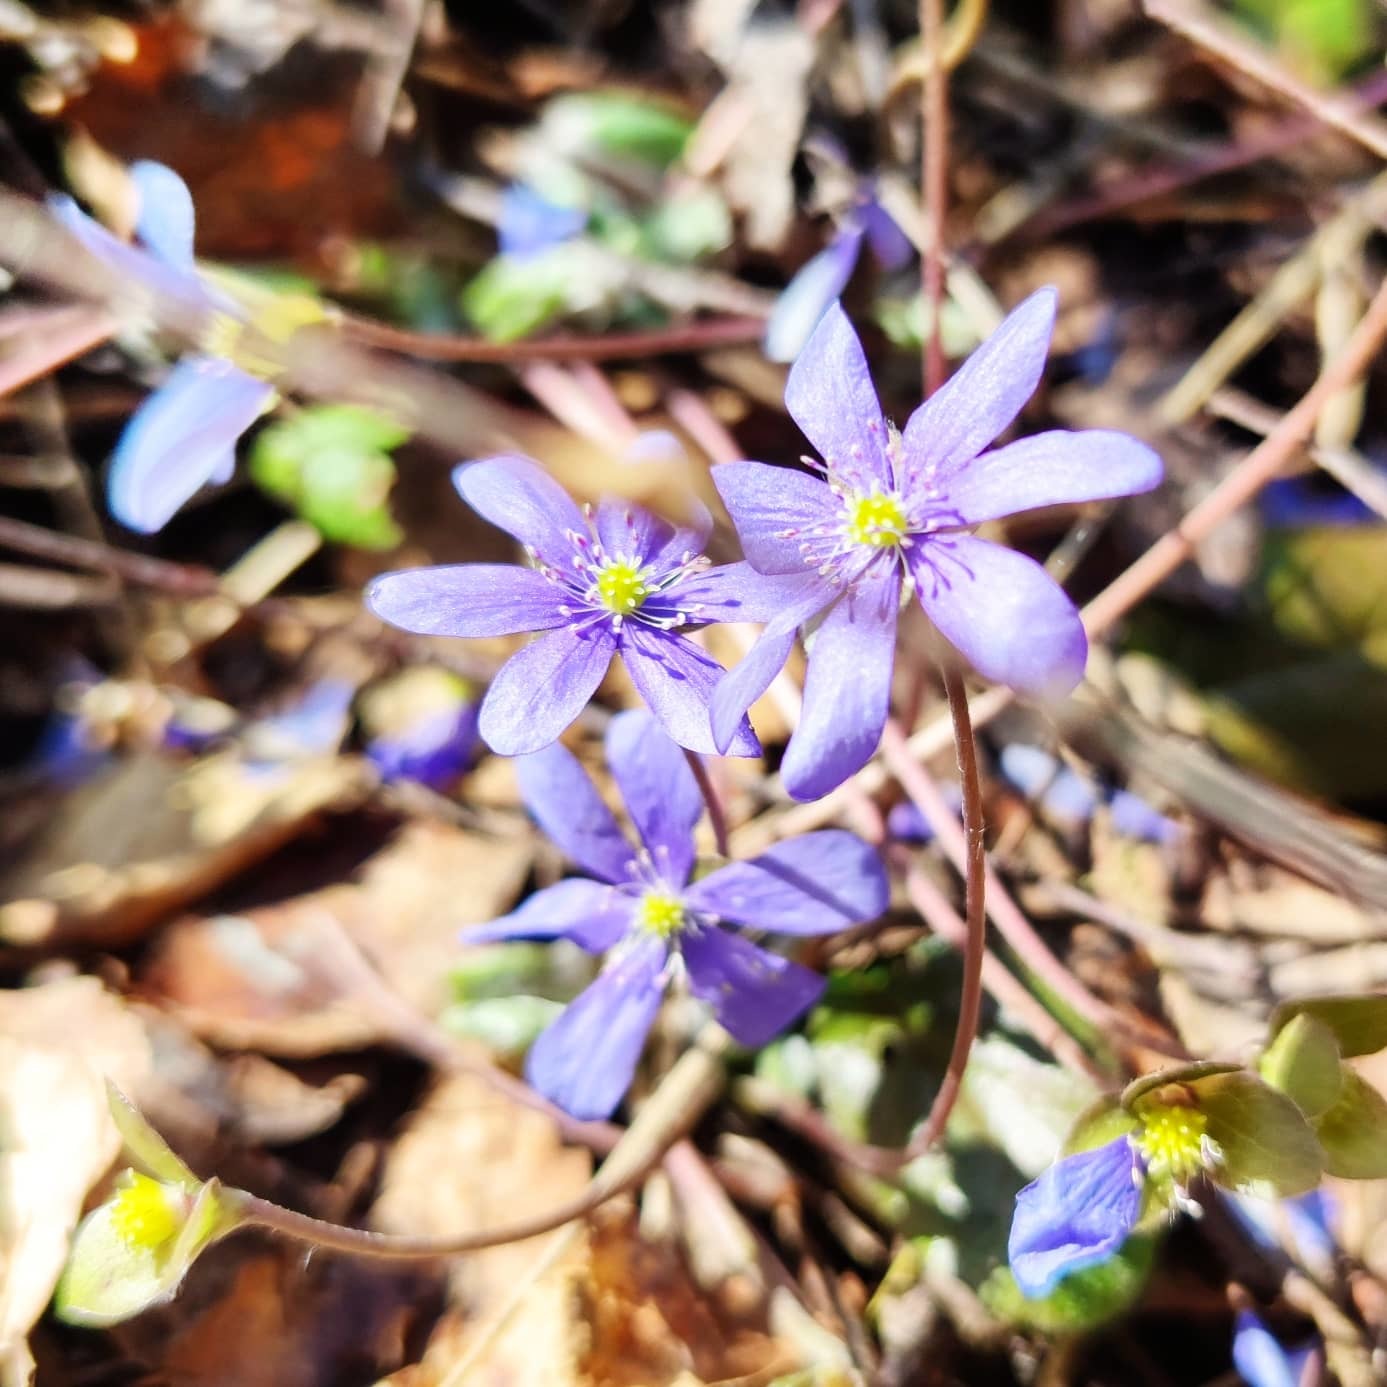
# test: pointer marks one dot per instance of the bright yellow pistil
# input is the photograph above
(1172, 1142)
(621, 586)
(660, 914)
(143, 1214)
(876, 519)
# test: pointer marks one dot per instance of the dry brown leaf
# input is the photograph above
(58, 1043)
(153, 835)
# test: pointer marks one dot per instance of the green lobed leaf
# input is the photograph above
(1082, 1301)
(1359, 1022)
(1265, 1142)
(1353, 1132)
(1303, 1062)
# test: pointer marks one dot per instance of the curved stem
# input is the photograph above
(717, 815)
(681, 1099)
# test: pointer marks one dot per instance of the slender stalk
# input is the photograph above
(717, 815)
(682, 1097)
(934, 182)
(918, 785)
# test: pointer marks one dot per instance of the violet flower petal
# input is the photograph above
(1259, 1357)
(466, 599)
(539, 691)
(585, 1060)
(661, 794)
(1003, 611)
(754, 994)
(629, 531)
(831, 397)
(983, 396)
(521, 498)
(566, 805)
(1132, 817)
(1049, 469)
(1077, 1214)
(166, 219)
(589, 913)
(806, 298)
(847, 689)
(773, 508)
(749, 679)
(890, 245)
(814, 884)
(529, 222)
(433, 749)
(178, 439)
(676, 679)
(731, 592)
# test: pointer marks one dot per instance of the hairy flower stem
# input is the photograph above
(917, 785)
(717, 815)
(682, 1097)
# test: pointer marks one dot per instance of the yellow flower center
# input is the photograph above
(143, 1213)
(273, 321)
(660, 914)
(876, 519)
(621, 586)
(1172, 1141)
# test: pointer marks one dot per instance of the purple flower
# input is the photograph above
(656, 924)
(1259, 1357)
(894, 510)
(423, 727)
(1063, 792)
(822, 279)
(530, 223)
(1132, 817)
(1076, 1215)
(184, 435)
(617, 581)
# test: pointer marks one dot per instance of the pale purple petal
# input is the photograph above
(831, 397)
(731, 592)
(1259, 1357)
(983, 396)
(630, 531)
(566, 805)
(847, 689)
(585, 1060)
(1077, 1214)
(1051, 469)
(1003, 611)
(165, 219)
(521, 498)
(748, 680)
(815, 884)
(806, 298)
(133, 264)
(530, 222)
(466, 599)
(754, 994)
(178, 439)
(676, 679)
(890, 245)
(773, 509)
(541, 689)
(592, 915)
(661, 794)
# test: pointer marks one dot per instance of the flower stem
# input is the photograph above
(919, 786)
(682, 1097)
(717, 815)
(934, 183)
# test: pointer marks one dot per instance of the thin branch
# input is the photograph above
(717, 815)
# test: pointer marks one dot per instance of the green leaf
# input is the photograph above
(1265, 1143)
(514, 296)
(1359, 1023)
(1087, 1298)
(1354, 1131)
(116, 1269)
(693, 223)
(1303, 1062)
(507, 1026)
(1097, 1125)
(331, 464)
(618, 124)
